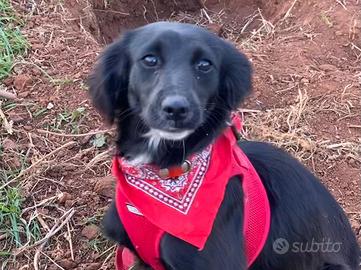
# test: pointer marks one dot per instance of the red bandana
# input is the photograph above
(186, 206)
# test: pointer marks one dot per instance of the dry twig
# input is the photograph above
(23, 172)
(57, 227)
(7, 95)
(8, 125)
(98, 158)
(76, 135)
(288, 13)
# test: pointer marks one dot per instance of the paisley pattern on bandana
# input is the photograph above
(177, 193)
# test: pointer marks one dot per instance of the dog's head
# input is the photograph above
(176, 78)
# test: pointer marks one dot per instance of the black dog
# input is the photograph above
(171, 88)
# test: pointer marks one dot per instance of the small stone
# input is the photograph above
(90, 232)
(14, 162)
(105, 186)
(69, 203)
(50, 106)
(328, 67)
(16, 118)
(93, 266)
(53, 72)
(215, 28)
(305, 81)
(306, 145)
(63, 197)
(85, 140)
(67, 264)
(37, 46)
(8, 144)
(356, 226)
(8, 81)
(21, 81)
(23, 94)
(36, 72)
(43, 211)
(28, 128)
(352, 162)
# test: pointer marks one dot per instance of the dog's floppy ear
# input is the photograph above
(235, 79)
(108, 84)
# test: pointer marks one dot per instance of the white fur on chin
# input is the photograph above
(155, 137)
(140, 159)
(165, 135)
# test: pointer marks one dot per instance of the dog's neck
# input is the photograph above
(140, 149)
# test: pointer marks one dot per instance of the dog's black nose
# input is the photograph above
(175, 107)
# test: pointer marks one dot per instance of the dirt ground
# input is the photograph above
(306, 99)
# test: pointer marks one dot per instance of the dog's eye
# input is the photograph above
(204, 65)
(150, 60)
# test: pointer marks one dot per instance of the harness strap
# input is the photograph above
(144, 231)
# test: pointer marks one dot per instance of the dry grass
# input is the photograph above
(38, 229)
(288, 128)
(248, 32)
(32, 219)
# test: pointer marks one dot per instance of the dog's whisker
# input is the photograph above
(126, 111)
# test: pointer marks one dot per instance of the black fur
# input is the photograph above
(122, 88)
(130, 92)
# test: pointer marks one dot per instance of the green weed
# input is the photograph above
(62, 82)
(13, 228)
(16, 230)
(98, 244)
(69, 120)
(12, 42)
(326, 19)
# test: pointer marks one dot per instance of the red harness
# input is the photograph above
(186, 206)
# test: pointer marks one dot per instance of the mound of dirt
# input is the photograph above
(109, 18)
(105, 20)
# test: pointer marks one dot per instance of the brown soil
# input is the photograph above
(296, 47)
(109, 18)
